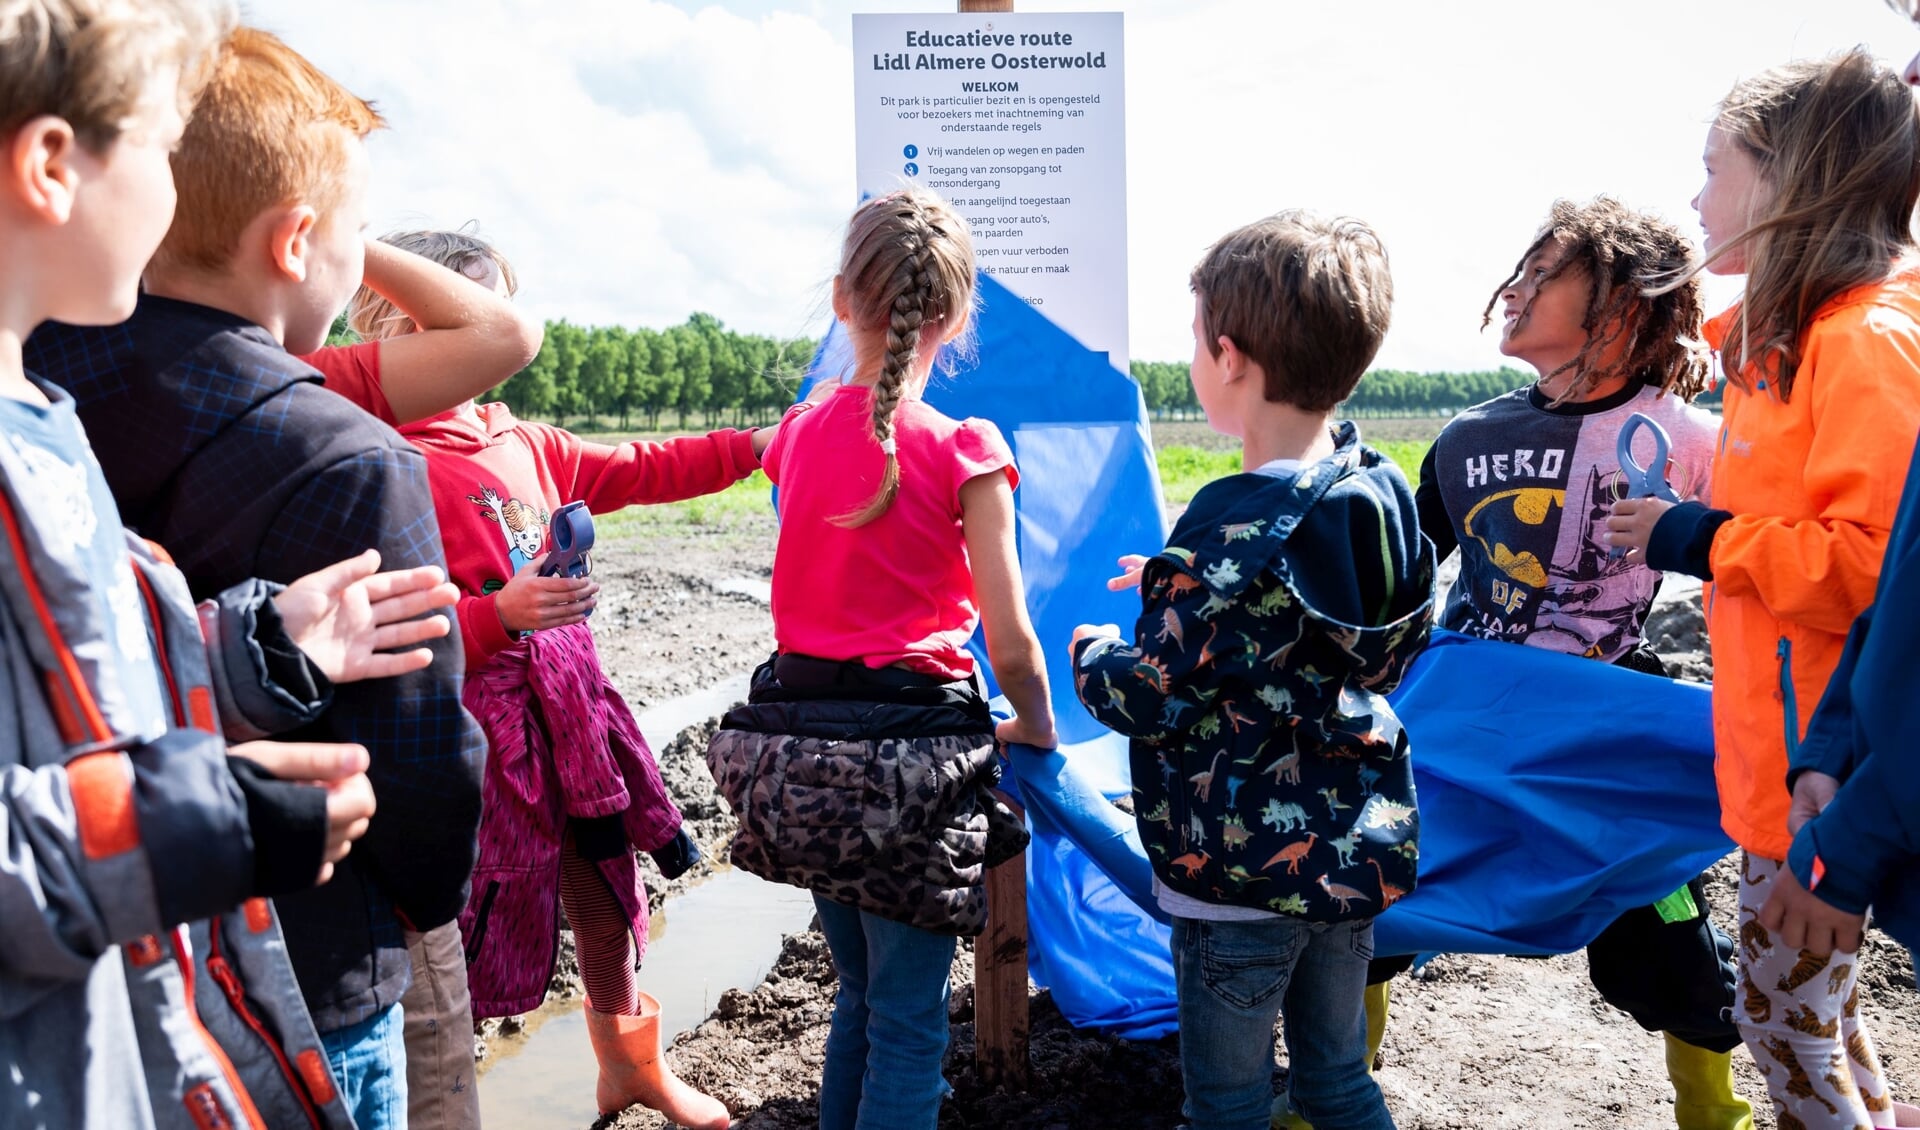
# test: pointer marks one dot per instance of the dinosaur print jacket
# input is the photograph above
(1268, 770)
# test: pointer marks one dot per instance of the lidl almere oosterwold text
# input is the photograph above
(1020, 123)
(1007, 51)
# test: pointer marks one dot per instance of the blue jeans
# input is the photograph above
(369, 1062)
(1234, 979)
(889, 1029)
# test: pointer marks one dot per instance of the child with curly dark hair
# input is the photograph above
(1522, 486)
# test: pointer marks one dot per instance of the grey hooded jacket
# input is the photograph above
(143, 981)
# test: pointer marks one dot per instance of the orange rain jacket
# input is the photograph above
(1813, 484)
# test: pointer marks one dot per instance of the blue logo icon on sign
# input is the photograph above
(911, 151)
(912, 170)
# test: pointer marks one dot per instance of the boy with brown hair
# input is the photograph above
(1271, 780)
(247, 465)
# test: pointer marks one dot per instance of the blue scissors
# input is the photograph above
(1650, 480)
(569, 538)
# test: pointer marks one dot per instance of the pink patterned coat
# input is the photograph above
(564, 744)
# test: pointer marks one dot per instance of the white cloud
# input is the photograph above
(640, 160)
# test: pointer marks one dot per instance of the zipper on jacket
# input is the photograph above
(229, 982)
(1790, 707)
(480, 924)
(75, 713)
(160, 650)
(249, 1114)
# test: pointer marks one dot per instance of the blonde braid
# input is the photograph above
(912, 286)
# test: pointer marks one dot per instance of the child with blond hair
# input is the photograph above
(896, 542)
(143, 973)
(1812, 174)
(247, 466)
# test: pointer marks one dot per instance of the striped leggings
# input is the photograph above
(602, 937)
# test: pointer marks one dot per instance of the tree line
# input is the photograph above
(699, 368)
(702, 373)
(1382, 392)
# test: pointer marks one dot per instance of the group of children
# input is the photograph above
(204, 928)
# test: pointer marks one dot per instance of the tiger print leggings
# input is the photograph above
(1799, 1016)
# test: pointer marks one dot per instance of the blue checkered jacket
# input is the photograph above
(228, 451)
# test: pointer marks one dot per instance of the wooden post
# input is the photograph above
(1000, 956)
(1000, 977)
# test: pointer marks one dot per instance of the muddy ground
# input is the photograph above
(1474, 1042)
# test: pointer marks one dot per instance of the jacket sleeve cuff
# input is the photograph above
(1088, 651)
(740, 451)
(481, 630)
(289, 824)
(1839, 887)
(193, 825)
(1682, 540)
(263, 682)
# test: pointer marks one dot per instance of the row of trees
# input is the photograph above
(701, 372)
(697, 369)
(1382, 392)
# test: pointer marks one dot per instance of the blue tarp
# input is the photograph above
(1089, 490)
(1555, 792)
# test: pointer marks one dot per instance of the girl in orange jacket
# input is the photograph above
(1813, 170)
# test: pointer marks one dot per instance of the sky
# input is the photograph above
(639, 160)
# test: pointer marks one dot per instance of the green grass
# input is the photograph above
(745, 498)
(1407, 453)
(1184, 470)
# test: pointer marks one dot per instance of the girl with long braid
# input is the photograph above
(861, 766)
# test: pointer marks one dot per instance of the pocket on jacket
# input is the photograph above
(511, 928)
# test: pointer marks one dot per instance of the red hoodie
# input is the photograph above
(497, 481)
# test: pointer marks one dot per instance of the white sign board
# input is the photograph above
(1019, 119)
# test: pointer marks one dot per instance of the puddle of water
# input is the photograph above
(723, 934)
(758, 588)
(661, 724)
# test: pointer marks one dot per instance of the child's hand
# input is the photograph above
(347, 617)
(1631, 525)
(531, 602)
(1094, 632)
(1131, 567)
(339, 769)
(1804, 921)
(1812, 793)
(1020, 731)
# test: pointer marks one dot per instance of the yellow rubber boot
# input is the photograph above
(1286, 1118)
(1376, 999)
(1703, 1089)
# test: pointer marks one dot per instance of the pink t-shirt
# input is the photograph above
(897, 590)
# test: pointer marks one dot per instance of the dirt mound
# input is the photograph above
(761, 1053)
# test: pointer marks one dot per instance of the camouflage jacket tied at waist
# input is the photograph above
(876, 800)
(1268, 770)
